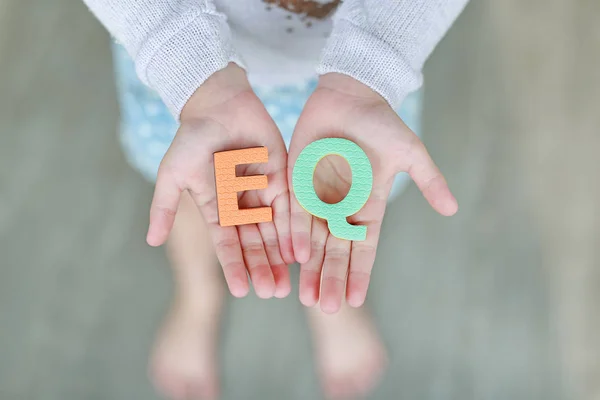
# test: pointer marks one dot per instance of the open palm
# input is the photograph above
(223, 115)
(332, 268)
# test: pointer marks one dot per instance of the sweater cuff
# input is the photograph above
(359, 54)
(188, 58)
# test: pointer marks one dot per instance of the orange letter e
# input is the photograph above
(228, 186)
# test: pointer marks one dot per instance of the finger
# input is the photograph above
(362, 255)
(163, 209)
(362, 259)
(200, 390)
(430, 181)
(278, 194)
(256, 261)
(229, 252)
(300, 220)
(335, 270)
(301, 227)
(310, 272)
(279, 268)
(281, 218)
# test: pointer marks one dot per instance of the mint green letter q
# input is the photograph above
(360, 190)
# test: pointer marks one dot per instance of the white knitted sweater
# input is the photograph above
(178, 44)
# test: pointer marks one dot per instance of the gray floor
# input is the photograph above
(498, 302)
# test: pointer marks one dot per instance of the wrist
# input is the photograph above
(346, 85)
(220, 87)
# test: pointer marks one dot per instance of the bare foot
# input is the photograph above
(184, 364)
(350, 356)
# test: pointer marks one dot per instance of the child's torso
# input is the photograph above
(280, 40)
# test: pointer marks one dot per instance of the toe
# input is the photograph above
(169, 386)
(334, 389)
(369, 377)
(205, 389)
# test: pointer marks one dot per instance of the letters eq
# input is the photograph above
(228, 185)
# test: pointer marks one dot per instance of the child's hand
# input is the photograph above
(225, 114)
(344, 107)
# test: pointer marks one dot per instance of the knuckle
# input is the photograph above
(337, 256)
(407, 148)
(334, 278)
(271, 244)
(251, 249)
(228, 244)
(233, 265)
(417, 151)
(299, 216)
(310, 268)
(366, 274)
(165, 211)
(364, 249)
(166, 168)
(317, 245)
(433, 178)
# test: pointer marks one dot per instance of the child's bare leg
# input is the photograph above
(184, 364)
(349, 353)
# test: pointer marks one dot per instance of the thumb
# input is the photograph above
(163, 209)
(429, 179)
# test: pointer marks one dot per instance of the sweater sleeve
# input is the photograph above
(175, 44)
(385, 43)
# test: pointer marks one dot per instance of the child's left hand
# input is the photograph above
(343, 107)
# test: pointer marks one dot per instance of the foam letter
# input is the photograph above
(228, 185)
(362, 184)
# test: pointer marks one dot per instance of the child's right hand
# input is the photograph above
(225, 114)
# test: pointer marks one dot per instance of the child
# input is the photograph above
(228, 74)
